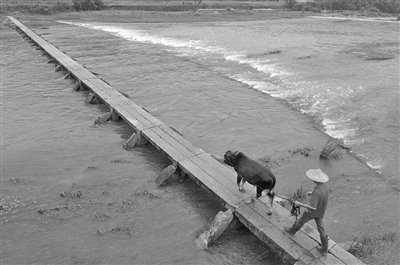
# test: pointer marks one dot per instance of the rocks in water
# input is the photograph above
(19, 180)
(333, 149)
(276, 51)
(101, 216)
(72, 194)
(54, 209)
(146, 194)
(303, 57)
(118, 229)
(270, 162)
(273, 52)
(378, 57)
(306, 152)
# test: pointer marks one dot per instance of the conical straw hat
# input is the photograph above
(317, 175)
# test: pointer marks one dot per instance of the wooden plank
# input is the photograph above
(313, 234)
(163, 145)
(144, 113)
(328, 258)
(77, 70)
(344, 256)
(130, 118)
(101, 89)
(223, 174)
(209, 165)
(74, 67)
(289, 250)
(178, 146)
(181, 140)
(230, 200)
(232, 187)
(316, 262)
(82, 74)
(307, 260)
(138, 113)
(301, 239)
(280, 221)
(121, 104)
(99, 86)
(227, 173)
(282, 218)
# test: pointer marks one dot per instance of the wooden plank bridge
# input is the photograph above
(216, 178)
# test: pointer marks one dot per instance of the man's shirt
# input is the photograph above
(319, 199)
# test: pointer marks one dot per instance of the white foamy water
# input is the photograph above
(337, 129)
(379, 20)
(326, 78)
(185, 47)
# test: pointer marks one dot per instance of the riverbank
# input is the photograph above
(119, 15)
(288, 163)
(132, 16)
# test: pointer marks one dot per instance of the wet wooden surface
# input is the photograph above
(215, 177)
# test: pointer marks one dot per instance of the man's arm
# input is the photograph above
(313, 201)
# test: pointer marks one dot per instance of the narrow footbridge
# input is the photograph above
(216, 178)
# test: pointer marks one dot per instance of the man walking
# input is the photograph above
(319, 201)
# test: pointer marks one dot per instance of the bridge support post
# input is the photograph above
(136, 139)
(218, 226)
(102, 118)
(77, 86)
(92, 98)
(114, 115)
(59, 68)
(182, 175)
(236, 224)
(165, 174)
(68, 75)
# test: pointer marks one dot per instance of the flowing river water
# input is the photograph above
(71, 194)
(321, 68)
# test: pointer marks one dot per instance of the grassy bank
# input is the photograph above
(51, 7)
(186, 5)
(373, 8)
(35, 7)
(376, 249)
(47, 7)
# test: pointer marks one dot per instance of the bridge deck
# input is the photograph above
(205, 170)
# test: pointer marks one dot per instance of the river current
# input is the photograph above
(322, 68)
